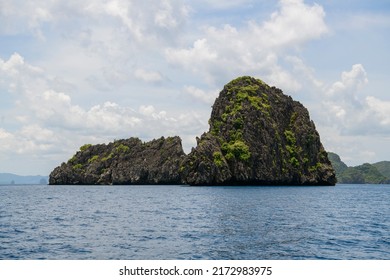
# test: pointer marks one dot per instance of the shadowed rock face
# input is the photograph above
(257, 136)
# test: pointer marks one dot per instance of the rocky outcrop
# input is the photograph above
(123, 162)
(257, 136)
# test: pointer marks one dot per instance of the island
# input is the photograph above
(367, 173)
(257, 136)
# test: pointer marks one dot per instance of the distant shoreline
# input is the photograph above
(14, 179)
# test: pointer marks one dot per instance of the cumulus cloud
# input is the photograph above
(48, 121)
(16, 66)
(223, 53)
(302, 70)
(31, 16)
(224, 4)
(201, 95)
(195, 58)
(293, 24)
(381, 110)
(40, 103)
(350, 82)
(165, 17)
(116, 35)
(138, 17)
(148, 76)
(104, 42)
(347, 108)
(4, 135)
(112, 47)
(97, 64)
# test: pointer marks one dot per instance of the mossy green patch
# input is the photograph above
(236, 149)
(218, 159)
(85, 147)
(315, 167)
(121, 148)
(72, 160)
(292, 148)
(77, 167)
(93, 159)
(108, 157)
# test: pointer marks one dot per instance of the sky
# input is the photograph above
(75, 72)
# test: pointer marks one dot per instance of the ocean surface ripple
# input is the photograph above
(182, 222)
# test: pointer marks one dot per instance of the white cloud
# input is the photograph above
(227, 52)
(224, 4)
(148, 76)
(85, 65)
(343, 102)
(351, 81)
(21, 16)
(294, 24)
(201, 95)
(381, 109)
(147, 110)
(304, 71)
(98, 43)
(28, 140)
(47, 121)
(152, 115)
(56, 110)
(138, 17)
(283, 79)
(15, 66)
(121, 10)
(194, 58)
(350, 111)
(164, 16)
(4, 134)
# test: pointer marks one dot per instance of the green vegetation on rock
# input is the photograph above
(85, 147)
(122, 148)
(291, 146)
(77, 166)
(93, 159)
(236, 149)
(218, 159)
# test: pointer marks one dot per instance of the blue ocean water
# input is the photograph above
(182, 222)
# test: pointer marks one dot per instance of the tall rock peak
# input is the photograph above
(258, 136)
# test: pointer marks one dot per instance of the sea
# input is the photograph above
(345, 222)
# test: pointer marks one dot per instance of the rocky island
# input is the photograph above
(257, 136)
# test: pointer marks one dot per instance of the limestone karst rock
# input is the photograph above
(122, 162)
(257, 136)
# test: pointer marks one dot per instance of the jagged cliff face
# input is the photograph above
(258, 136)
(123, 162)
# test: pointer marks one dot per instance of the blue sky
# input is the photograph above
(75, 72)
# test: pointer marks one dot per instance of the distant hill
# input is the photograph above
(383, 167)
(10, 179)
(337, 164)
(377, 173)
